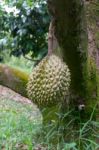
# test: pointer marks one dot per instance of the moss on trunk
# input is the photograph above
(14, 79)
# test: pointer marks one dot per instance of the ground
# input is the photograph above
(8, 93)
(20, 119)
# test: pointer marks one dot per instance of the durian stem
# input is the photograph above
(52, 41)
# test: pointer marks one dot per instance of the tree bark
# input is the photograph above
(71, 32)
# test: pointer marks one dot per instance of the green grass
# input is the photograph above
(20, 129)
(75, 135)
(19, 63)
(18, 125)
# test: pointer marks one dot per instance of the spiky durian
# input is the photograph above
(49, 82)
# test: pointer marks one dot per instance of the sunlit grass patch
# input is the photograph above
(19, 63)
(18, 125)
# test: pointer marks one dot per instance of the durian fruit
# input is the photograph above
(49, 82)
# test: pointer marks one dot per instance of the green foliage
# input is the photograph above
(24, 28)
(82, 136)
(19, 63)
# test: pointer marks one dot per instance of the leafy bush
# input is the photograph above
(24, 28)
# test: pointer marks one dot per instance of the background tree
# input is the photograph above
(26, 25)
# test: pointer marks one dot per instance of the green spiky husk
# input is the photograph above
(49, 82)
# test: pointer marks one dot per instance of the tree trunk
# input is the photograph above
(71, 32)
(70, 29)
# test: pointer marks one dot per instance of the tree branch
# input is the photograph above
(13, 79)
(31, 59)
